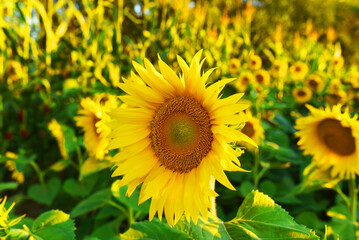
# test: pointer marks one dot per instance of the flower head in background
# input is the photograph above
(93, 119)
(314, 82)
(253, 129)
(279, 68)
(302, 94)
(244, 80)
(175, 136)
(234, 65)
(332, 138)
(255, 62)
(337, 62)
(298, 71)
(262, 78)
(58, 133)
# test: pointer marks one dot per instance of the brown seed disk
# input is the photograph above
(248, 129)
(313, 84)
(336, 137)
(181, 134)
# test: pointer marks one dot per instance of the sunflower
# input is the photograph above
(262, 77)
(244, 80)
(332, 138)
(334, 97)
(335, 84)
(314, 82)
(337, 62)
(353, 79)
(313, 175)
(93, 119)
(279, 68)
(5, 222)
(14, 70)
(255, 62)
(58, 133)
(302, 94)
(298, 71)
(174, 135)
(253, 129)
(234, 65)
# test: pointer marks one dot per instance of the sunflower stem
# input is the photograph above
(212, 184)
(40, 174)
(353, 192)
(256, 176)
(340, 192)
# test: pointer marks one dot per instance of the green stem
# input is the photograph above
(38, 172)
(340, 192)
(353, 193)
(79, 156)
(212, 184)
(119, 207)
(256, 176)
(131, 218)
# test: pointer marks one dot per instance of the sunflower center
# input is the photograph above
(313, 83)
(95, 127)
(181, 134)
(336, 137)
(298, 69)
(259, 78)
(245, 80)
(248, 129)
(301, 93)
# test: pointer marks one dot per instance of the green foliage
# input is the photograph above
(153, 230)
(91, 203)
(257, 218)
(53, 54)
(260, 218)
(54, 225)
(45, 193)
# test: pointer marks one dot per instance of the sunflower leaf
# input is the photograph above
(45, 193)
(153, 230)
(91, 203)
(55, 225)
(257, 218)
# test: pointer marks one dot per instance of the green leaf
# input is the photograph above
(8, 185)
(268, 187)
(132, 202)
(54, 225)
(213, 228)
(284, 123)
(80, 189)
(91, 203)
(257, 218)
(45, 193)
(341, 222)
(285, 154)
(278, 136)
(260, 218)
(153, 230)
(246, 187)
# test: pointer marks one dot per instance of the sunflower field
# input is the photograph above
(168, 119)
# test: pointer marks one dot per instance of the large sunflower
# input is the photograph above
(175, 133)
(332, 137)
(93, 119)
